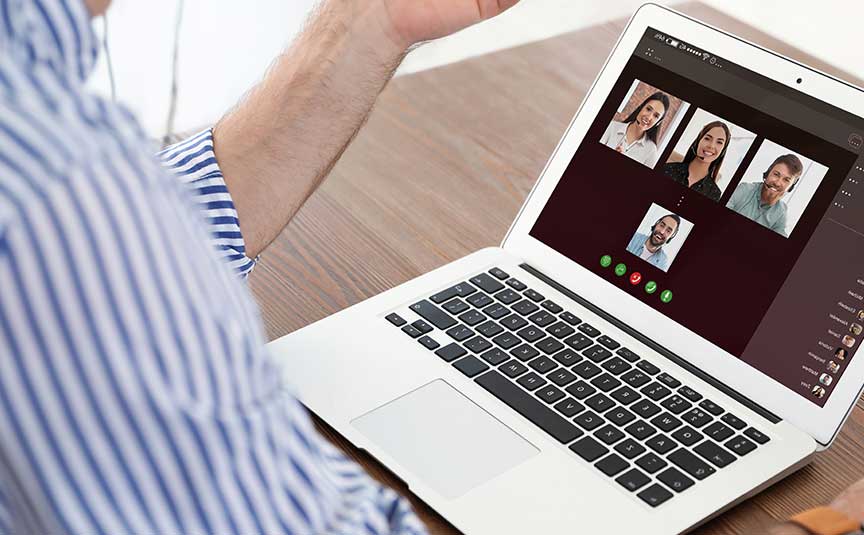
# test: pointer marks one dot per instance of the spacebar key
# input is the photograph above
(527, 406)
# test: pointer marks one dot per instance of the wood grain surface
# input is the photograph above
(440, 171)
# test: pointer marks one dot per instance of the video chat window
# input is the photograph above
(777, 187)
(659, 237)
(643, 123)
(708, 153)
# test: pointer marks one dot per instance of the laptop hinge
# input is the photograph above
(750, 404)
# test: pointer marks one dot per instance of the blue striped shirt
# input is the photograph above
(136, 395)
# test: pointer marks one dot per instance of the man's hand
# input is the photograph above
(413, 21)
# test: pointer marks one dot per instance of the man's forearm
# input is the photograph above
(279, 143)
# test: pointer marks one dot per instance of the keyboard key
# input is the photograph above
(588, 420)
(459, 333)
(543, 364)
(608, 342)
(580, 390)
(676, 404)
(529, 407)
(525, 307)
(422, 326)
(531, 381)
(514, 322)
(516, 284)
(630, 448)
(461, 290)
(711, 407)
(719, 432)
(696, 417)
(411, 331)
(589, 449)
(395, 319)
(625, 395)
(740, 445)
(756, 435)
(734, 421)
(507, 296)
(578, 341)
(495, 357)
(715, 455)
(561, 377)
(605, 382)
(455, 306)
(428, 343)
(451, 352)
(666, 422)
(597, 353)
(687, 436)
(542, 318)
(569, 407)
(552, 307)
(496, 311)
(570, 318)
(479, 300)
(647, 367)
(690, 394)
(549, 394)
(549, 345)
(620, 416)
(645, 408)
(640, 430)
(489, 329)
(635, 378)
(478, 344)
(611, 464)
(524, 352)
(650, 462)
(486, 283)
(654, 495)
(507, 340)
(586, 369)
(628, 355)
(692, 465)
(534, 295)
(589, 330)
(599, 402)
(675, 480)
(656, 391)
(661, 444)
(633, 480)
(616, 365)
(567, 357)
(472, 317)
(608, 434)
(531, 333)
(668, 380)
(470, 365)
(499, 273)
(513, 369)
(560, 330)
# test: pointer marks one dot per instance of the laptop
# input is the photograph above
(669, 327)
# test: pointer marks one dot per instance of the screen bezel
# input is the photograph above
(822, 423)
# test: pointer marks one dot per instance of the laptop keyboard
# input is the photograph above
(636, 424)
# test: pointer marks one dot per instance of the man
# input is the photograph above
(649, 247)
(135, 394)
(762, 201)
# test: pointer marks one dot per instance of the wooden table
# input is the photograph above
(440, 171)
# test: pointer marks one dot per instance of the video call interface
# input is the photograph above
(726, 210)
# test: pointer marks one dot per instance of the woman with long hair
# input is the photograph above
(700, 169)
(636, 136)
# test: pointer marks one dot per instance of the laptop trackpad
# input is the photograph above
(444, 438)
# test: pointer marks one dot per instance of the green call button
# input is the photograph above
(605, 261)
(666, 296)
(621, 270)
(651, 287)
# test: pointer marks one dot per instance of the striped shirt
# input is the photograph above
(136, 395)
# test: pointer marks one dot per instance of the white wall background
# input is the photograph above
(227, 45)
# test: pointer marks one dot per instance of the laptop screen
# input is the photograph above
(729, 203)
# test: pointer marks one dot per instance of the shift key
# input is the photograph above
(433, 315)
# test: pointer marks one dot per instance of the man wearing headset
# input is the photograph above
(649, 247)
(763, 201)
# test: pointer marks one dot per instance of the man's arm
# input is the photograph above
(280, 142)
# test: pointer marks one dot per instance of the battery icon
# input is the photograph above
(672, 42)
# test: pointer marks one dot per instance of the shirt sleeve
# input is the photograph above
(193, 162)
